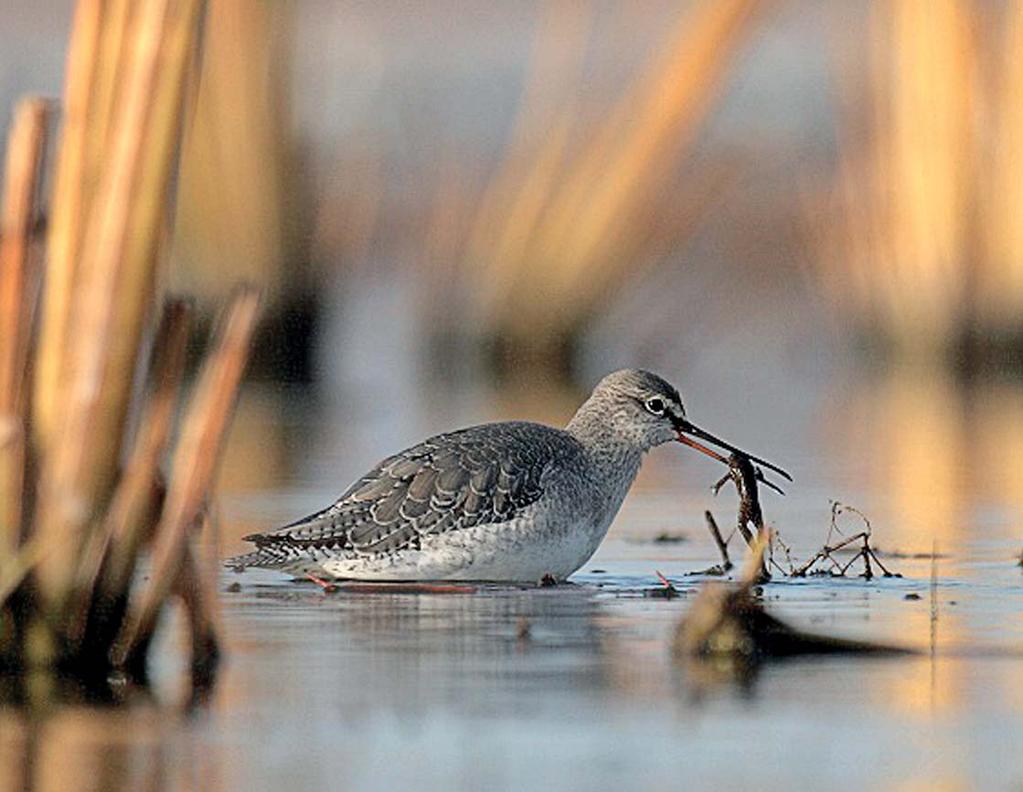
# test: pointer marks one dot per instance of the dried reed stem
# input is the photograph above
(648, 133)
(116, 50)
(1000, 282)
(105, 572)
(233, 196)
(923, 245)
(722, 545)
(581, 216)
(200, 598)
(133, 500)
(116, 283)
(22, 171)
(16, 566)
(928, 154)
(67, 216)
(193, 469)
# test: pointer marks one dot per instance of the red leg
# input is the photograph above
(326, 585)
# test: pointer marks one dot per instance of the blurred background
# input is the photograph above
(806, 215)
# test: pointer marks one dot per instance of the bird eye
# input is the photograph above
(655, 405)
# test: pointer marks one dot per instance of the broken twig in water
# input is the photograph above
(746, 477)
(667, 590)
(722, 544)
(838, 567)
(715, 532)
(728, 627)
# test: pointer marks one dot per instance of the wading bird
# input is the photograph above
(512, 502)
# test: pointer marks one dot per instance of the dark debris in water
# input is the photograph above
(901, 554)
(837, 557)
(825, 560)
(727, 633)
(717, 570)
(664, 537)
(669, 538)
(666, 590)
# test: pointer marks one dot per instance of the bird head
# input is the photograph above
(648, 411)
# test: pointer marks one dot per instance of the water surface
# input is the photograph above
(574, 687)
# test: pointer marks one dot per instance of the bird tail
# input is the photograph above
(265, 556)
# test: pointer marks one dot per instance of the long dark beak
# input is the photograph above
(686, 428)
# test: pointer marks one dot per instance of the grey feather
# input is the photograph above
(522, 491)
(482, 475)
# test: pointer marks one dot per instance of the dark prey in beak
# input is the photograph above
(686, 428)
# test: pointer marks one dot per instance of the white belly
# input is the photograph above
(519, 551)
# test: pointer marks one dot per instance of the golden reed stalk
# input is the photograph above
(115, 285)
(565, 224)
(922, 243)
(71, 549)
(23, 171)
(192, 476)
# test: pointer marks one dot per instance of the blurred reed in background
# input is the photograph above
(921, 239)
(582, 202)
(520, 247)
(231, 217)
(916, 239)
(82, 450)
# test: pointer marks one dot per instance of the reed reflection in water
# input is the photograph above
(97, 750)
(940, 456)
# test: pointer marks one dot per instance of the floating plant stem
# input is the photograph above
(722, 545)
(826, 553)
(728, 631)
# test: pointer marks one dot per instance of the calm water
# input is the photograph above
(361, 691)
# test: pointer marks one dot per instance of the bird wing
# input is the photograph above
(483, 475)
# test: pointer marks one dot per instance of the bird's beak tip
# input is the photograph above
(686, 431)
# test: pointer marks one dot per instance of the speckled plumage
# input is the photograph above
(506, 501)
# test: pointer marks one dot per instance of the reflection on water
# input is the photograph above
(922, 456)
(997, 477)
(942, 460)
(571, 687)
(103, 751)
